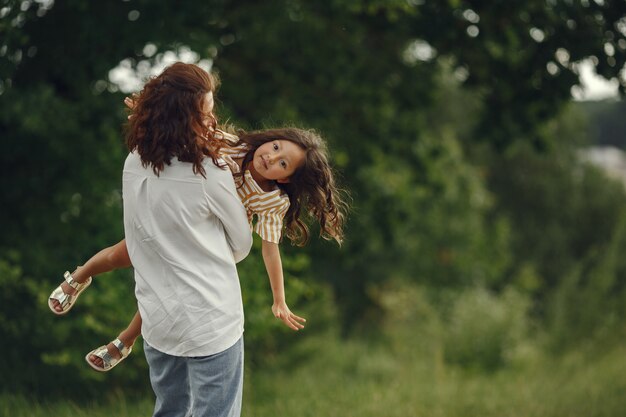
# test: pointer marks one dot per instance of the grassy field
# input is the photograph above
(354, 379)
(401, 373)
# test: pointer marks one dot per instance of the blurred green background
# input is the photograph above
(483, 272)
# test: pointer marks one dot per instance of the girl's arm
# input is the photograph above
(274, 267)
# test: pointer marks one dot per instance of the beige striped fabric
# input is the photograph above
(269, 207)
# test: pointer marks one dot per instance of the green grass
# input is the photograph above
(355, 379)
(401, 373)
(352, 379)
(113, 405)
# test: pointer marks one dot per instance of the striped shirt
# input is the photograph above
(269, 207)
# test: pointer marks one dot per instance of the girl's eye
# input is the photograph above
(283, 164)
(275, 147)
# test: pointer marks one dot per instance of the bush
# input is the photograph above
(588, 306)
(484, 330)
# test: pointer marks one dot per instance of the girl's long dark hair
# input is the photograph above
(168, 121)
(311, 189)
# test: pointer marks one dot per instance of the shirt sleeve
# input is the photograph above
(224, 202)
(269, 223)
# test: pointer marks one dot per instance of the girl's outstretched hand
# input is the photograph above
(281, 311)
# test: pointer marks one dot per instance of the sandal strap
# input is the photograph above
(73, 283)
(66, 300)
(70, 280)
(63, 298)
(109, 361)
(121, 347)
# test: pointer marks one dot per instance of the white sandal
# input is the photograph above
(67, 300)
(109, 361)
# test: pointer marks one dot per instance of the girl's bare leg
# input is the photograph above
(113, 257)
(127, 336)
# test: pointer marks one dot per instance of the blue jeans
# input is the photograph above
(207, 386)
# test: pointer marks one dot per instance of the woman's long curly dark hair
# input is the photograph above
(168, 120)
(311, 188)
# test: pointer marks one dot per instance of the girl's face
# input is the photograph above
(277, 160)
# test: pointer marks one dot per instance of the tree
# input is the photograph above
(364, 73)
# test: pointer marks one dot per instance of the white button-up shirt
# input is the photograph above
(184, 235)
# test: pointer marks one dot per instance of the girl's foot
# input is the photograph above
(105, 358)
(64, 296)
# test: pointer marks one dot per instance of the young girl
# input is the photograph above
(281, 175)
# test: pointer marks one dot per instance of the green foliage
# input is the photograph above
(483, 330)
(402, 90)
(18, 321)
(362, 379)
(567, 220)
(607, 123)
(588, 304)
(561, 207)
(436, 211)
(565, 387)
(402, 374)
(265, 335)
(519, 43)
